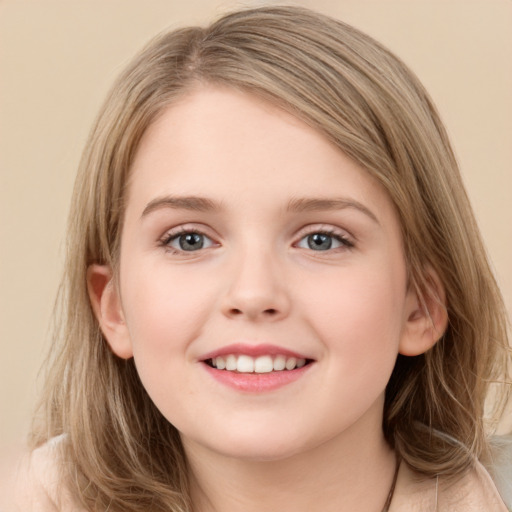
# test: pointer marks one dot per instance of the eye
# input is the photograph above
(187, 241)
(323, 241)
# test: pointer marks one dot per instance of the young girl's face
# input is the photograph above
(250, 241)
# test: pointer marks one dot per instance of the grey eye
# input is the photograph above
(190, 242)
(323, 241)
(319, 241)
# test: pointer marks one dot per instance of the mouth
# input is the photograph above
(243, 363)
(256, 369)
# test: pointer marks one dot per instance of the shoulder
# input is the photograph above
(38, 484)
(473, 492)
(501, 466)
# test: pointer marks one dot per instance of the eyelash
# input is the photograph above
(342, 239)
(166, 240)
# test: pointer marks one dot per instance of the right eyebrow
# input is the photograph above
(192, 203)
(326, 204)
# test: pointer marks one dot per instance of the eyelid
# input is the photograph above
(347, 239)
(189, 227)
(328, 229)
(183, 229)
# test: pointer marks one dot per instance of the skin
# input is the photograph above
(316, 443)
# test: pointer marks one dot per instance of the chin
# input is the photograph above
(256, 445)
(255, 452)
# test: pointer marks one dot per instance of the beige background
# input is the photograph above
(57, 59)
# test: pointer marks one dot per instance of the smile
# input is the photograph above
(261, 364)
(256, 368)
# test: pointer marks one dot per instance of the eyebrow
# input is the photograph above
(300, 205)
(192, 203)
(297, 205)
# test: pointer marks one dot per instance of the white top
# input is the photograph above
(38, 489)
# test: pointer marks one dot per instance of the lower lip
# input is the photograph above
(257, 382)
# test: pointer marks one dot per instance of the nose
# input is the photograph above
(256, 290)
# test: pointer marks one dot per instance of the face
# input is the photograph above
(252, 243)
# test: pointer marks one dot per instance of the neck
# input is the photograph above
(352, 472)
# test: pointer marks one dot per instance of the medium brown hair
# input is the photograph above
(125, 455)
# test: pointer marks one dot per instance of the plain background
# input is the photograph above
(57, 60)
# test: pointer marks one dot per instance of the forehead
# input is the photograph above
(232, 146)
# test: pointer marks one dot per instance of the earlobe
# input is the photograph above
(106, 304)
(426, 317)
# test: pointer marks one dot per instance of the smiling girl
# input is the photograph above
(276, 296)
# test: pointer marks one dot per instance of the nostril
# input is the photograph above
(266, 312)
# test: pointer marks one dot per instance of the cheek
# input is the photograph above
(359, 318)
(164, 311)
(164, 315)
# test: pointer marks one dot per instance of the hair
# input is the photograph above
(125, 455)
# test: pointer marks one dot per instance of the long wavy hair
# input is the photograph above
(124, 455)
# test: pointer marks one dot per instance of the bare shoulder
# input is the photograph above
(474, 492)
(38, 486)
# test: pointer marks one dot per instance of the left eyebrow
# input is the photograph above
(300, 205)
(192, 203)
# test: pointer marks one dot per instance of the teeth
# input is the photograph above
(279, 363)
(231, 363)
(245, 364)
(291, 363)
(261, 364)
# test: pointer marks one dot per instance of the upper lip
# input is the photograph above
(253, 351)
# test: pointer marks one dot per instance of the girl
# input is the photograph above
(276, 296)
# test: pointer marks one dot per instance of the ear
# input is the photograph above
(106, 305)
(426, 316)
